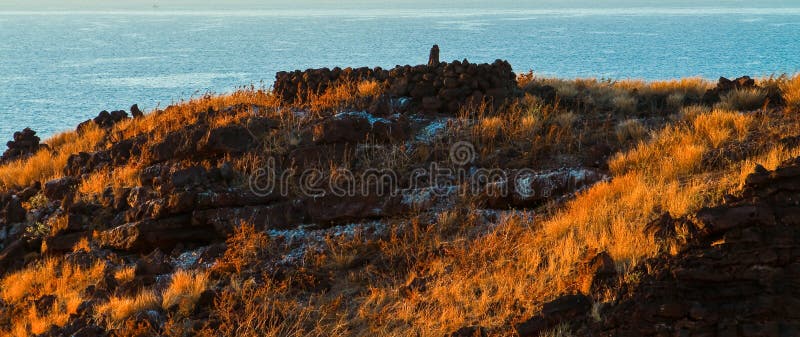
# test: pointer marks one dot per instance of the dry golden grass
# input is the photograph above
(125, 274)
(82, 246)
(791, 92)
(368, 89)
(630, 130)
(677, 149)
(342, 95)
(690, 85)
(159, 123)
(184, 290)
(244, 248)
(508, 272)
(625, 103)
(117, 177)
(471, 272)
(271, 310)
(54, 277)
(118, 309)
(561, 330)
(58, 224)
(530, 125)
(692, 111)
(675, 100)
(490, 129)
(565, 119)
(621, 95)
(46, 165)
(719, 126)
(743, 99)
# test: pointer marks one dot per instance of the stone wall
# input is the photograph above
(436, 87)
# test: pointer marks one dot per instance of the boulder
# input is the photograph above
(724, 86)
(567, 308)
(30, 191)
(279, 215)
(347, 128)
(232, 139)
(546, 92)
(596, 270)
(63, 243)
(181, 143)
(86, 162)
(135, 112)
(11, 210)
(528, 189)
(107, 119)
(24, 144)
(121, 151)
(153, 264)
(186, 177)
(147, 235)
(14, 254)
(57, 189)
(332, 209)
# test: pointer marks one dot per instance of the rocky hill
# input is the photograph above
(443, 199)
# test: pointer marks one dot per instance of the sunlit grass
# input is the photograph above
(63, 280)
(184, 290)
(791, 92)
(48, 164)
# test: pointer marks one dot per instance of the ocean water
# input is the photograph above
(59, 69)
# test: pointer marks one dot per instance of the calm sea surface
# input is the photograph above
(57, 69)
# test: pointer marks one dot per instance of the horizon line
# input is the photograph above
(431, 12)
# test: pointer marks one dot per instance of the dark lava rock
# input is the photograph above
(469, 331)
(725, 86)
(233, 139)
(11, 210)
(24, 144)
(57, 189)
(596, 270)
(135, 112)
(567, 308)
(735, 276)
(107, 119)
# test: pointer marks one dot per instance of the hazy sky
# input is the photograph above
(27, 5)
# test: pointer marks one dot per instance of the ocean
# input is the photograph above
(58, 69)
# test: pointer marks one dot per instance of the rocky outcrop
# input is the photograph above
(135, 112)
(724, 86)
(11, 210)
(149, 234)
(25, 143)
(736, 276)
(565, 309)
(57, 189)
(526, 188)
(435, 87)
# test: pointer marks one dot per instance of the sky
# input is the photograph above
(92, 5)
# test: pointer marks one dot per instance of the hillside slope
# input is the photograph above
(448, 198)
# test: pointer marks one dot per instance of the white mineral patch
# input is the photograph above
(188, 259)
(305, 240)
(362, 114)
(433, 131)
